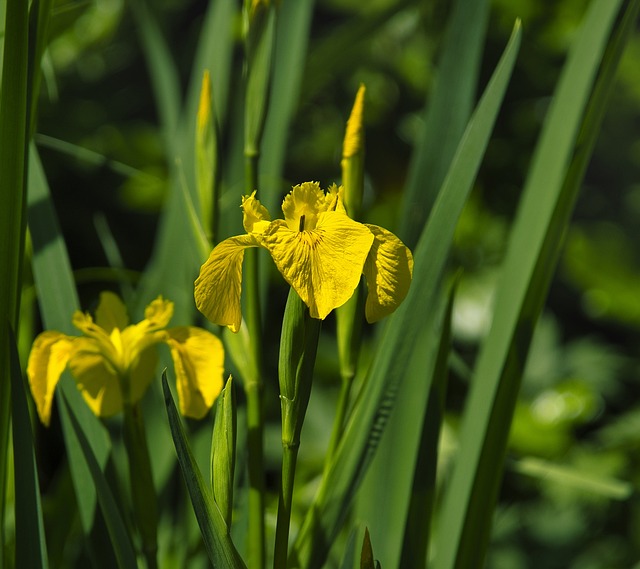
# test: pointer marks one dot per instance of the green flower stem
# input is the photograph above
(145, 510)
(254, 392)
(349, 333)
(298, 347)
(255, 436)
(289, 458)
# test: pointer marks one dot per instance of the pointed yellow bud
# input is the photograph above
(204, 108)
(206, 155)
(353, 138)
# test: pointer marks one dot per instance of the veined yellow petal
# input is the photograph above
(217, 288)
(306, 200)
(111, 312)
(96, 378)
(198, 357)
(48, 359)
(255, 218)
(388, 271)
(324, 265)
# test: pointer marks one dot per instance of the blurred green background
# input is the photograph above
(104, 158)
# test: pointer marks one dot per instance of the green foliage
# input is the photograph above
(496, 426)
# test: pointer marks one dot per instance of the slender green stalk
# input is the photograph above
(255, 436)
(289, 458)
(339, 420)
(254, 392)
(143, 493)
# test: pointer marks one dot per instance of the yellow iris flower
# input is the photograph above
(320, 251)
(114, 361)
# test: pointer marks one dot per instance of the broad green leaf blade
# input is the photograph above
(31, 546)
(530, 261)
(417, 528)
(446, 116)
(52, 272)
(13, 133)
(118, 534)
(403, 330)
(58, 299)
(222, 553)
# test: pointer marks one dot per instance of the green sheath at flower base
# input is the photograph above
(319, 250)
(223, 452)
(207, 158)
(298, 347)
(114, 362)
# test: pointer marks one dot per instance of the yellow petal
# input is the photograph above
(388, 272)
(96, 379)
(217, 288)
(139, 337)
(198, 357)
(306, 200)
(158, 314)
(111, 312)
(89, 328)
(255, 216)
(47, 360)
(335, 199)
(323, 266)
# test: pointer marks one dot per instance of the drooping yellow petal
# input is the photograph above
(324, 265)
(306, 200)
(111, 312)
(388, 271)
(255, 216)
(47, 360)
(96, 378)
(217, 288)
(198, 358)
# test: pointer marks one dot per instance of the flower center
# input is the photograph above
(301, 227)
